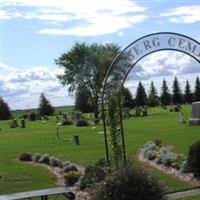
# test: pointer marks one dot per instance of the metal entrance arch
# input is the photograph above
(125, 62)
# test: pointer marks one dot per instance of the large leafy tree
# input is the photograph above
(165, 97)
(4, 110)
(127, 98)
(152, 97)
(45, 107)
(188, 96)
(141, 96)
(197, 90)
(86, 66)
(177, 96)
(82, 100)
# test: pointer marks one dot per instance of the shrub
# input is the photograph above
(53, 162)
(168, 158)
(32, 116)
(96, 121)
(44, 159)
(184, 167)
(194, 159)
(71, 178)
(129, 184)
(69, 167)
(93, 175)
(157, 141)
(82, 122)
(36, 157)
(102, 163)
(25, 116)
(151, 154)
(25, 157)
(66, 122)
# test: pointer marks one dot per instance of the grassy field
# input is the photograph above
(40, 138)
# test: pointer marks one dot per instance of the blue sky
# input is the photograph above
(35, 32)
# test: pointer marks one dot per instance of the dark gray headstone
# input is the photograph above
(195, 120)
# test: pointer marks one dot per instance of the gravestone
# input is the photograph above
(182, 118)
(23, 125)
(127, 112)
(138, 110)
(195, 120)
(76, 139)
(175, 108)
(14, 124)
(77, 116)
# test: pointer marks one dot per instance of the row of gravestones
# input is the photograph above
(14, 123)
(70, 115)
(139, 111)
(195, 120)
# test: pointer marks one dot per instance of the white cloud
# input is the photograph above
(98, 26)
(164, 63)
(21, 88)
(92, 17)
(184, 14)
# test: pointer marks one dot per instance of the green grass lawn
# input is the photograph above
(40, 138)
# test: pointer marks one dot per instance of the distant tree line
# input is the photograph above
(45, 109)
(166, 98)
(142, 98)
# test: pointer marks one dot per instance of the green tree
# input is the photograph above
(141, 96)
(176, 92)
(87, 65)
(165, 97)
(4, 110)
(197, 90)
(188, 96)
(152, 97)
(82, 100)
(127, 98)
(45, 107)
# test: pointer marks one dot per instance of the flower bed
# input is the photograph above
(166, 160)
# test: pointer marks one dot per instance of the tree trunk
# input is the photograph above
(96, 111)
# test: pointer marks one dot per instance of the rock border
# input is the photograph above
(186, 177)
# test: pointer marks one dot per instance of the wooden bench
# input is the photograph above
(43, 194)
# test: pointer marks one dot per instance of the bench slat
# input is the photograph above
(36, 193)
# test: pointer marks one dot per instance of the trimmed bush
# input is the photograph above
(32, 116)
(66, 122)
(25, 116)
(25, 157)
(93, 175)
(53, 162)
(129, 184)
(194, 159)
(82, 122)
(71, 178)
(36, 157)
(44, 159)
(184, 167)
(69, 167)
